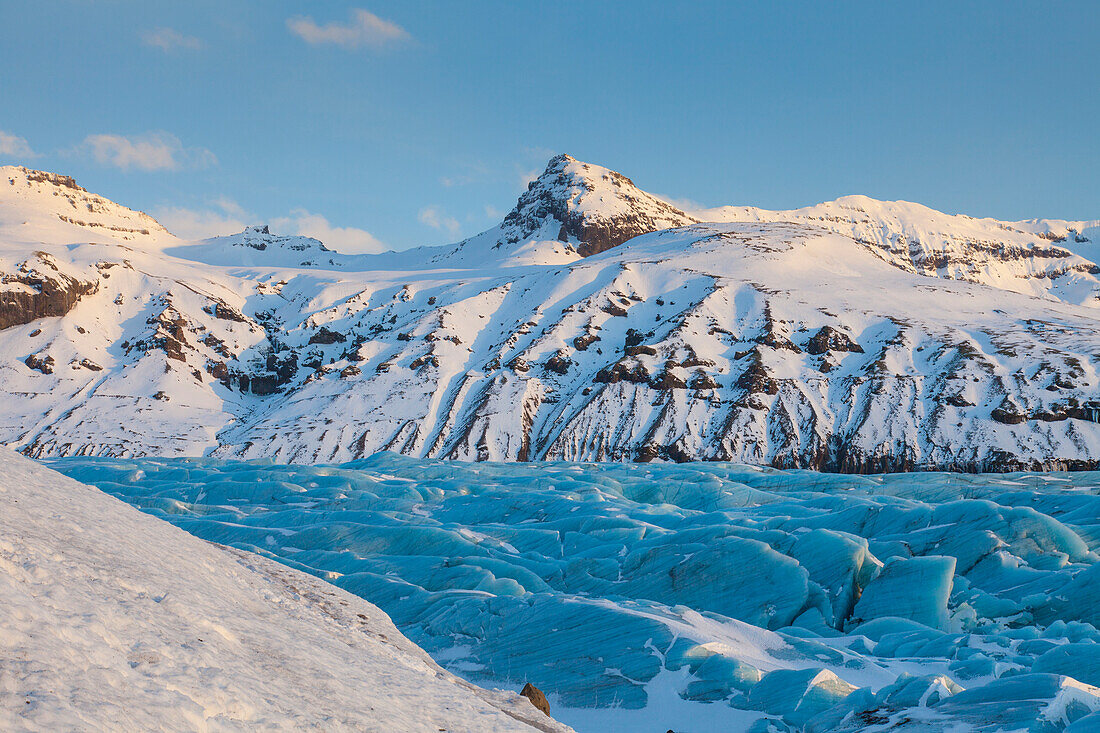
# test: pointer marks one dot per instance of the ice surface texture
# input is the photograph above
(819, 601)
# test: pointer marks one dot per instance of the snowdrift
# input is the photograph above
(114, 620)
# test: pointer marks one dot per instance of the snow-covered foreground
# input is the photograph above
(113, 620)
(692, 597)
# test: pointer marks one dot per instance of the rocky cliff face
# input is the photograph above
(38, 288)
(776, 338)
(593, 208)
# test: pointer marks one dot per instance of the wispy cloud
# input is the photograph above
(436, 219)
(682, 204)
(224, 216)
(15, 146)
(527, 175)
(154, 151)
(349, 240)
(169, 39)
(364, 29)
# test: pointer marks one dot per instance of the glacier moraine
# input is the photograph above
(754, 599)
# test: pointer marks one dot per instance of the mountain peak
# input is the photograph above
(257, 246)
(40, 206)
(36, 176)
(588, 206)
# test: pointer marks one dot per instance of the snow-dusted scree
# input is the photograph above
(595, 322)
(111, 620)
(693, 597)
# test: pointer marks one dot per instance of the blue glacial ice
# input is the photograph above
(790, 600)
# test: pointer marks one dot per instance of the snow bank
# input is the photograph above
(113, 620)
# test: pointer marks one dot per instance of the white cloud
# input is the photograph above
(348, 240)
(15, 146)
(364, 29)
(226, 217)
(169, 39)
(152, 151)
(686, 205)
(436, 219)
(493, 212)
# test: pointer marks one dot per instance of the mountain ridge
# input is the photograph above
(855, 335)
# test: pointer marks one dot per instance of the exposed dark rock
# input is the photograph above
(225, 312)
(637, 350)
(831, 339)
(54, 178)
(48, 292)
(556, 193)
(284, 365)
(350, 371)
(89, 364)
(581, 343)
(1008, 413)
(633, 337)
(558, 364)
(169, 334)
(216, 344)
(537, 698)
(623, 372)
(40, 363)
(613, 309)
(756, 378)
(263, 384)
(668, 380)
(326, 335)
(702, 380)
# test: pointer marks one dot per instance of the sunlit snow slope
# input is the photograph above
(596, 322)
(114, 620)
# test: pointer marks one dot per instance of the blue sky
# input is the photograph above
(403, 123)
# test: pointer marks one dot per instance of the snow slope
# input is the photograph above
(596, 322)
(113, 620)
(694, 597)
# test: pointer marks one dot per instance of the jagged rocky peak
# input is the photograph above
(591, 207)
(257, 246)
(259, 237)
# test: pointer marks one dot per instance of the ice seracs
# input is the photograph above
(698, 596)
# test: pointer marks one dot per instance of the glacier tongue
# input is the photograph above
(803, 601)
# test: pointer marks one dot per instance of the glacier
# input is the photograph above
(695, 596)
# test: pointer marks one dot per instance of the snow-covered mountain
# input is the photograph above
(114, 620)
(596, 322)
(257, 246)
